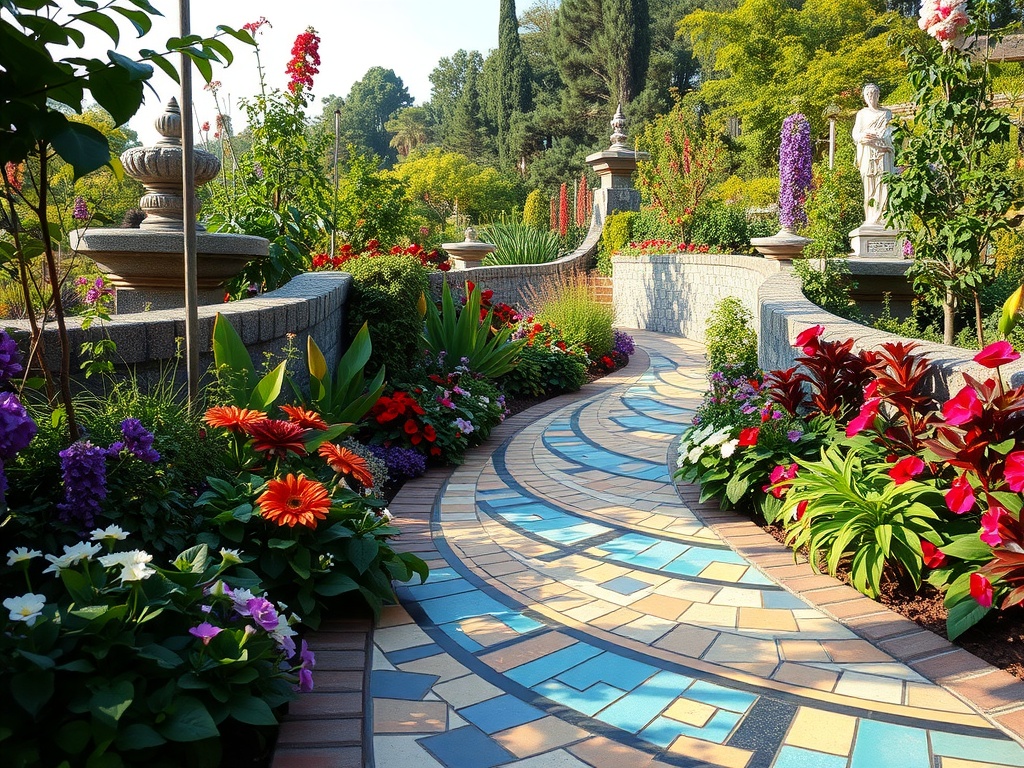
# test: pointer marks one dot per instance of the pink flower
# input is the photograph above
(933, 556)
(1014, 471)
(808, 339)
(990, 526)
(866, 417)
(962, 408)
(205, 632)
(906, 469)
(748, 436)
(997, 353)
(960, 497)
(981, 590)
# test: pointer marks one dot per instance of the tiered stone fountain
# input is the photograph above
(147, 265)
(470, 252)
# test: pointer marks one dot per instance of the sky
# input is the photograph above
(408, 36)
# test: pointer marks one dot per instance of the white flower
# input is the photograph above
(728, 449)
(485, 400)
(21, 554)
(27, 608)
(694, 455)
(230, 555)
(136, 572)
(83, 550)
(717, 438)
(240, 599)
(110, 532)
(125, 559)
(385, 515)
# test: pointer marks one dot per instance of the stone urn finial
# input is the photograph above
(471, 236)
(159, 169)
(619, 128)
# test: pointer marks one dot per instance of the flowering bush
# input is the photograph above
(111, 655)
(657, 247)
(794, 171)
(432, 259)
(548, 365)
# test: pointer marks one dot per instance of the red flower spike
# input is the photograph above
(997, 353)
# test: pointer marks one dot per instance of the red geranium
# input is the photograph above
(748, 436)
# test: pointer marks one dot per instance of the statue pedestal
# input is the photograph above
(784, 245)
(874, 241)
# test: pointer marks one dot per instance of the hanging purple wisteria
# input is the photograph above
(794, 171)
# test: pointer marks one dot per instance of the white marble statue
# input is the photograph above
(872, 133)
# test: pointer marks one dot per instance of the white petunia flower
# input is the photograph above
(728, 449)
(717, 438)
(136, 572)
(125, 559)
(21, 554)
(110, 532)
(694, 455)
(73, 555)
(27, 608)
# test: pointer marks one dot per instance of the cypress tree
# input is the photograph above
(625, 47)
(512, 93)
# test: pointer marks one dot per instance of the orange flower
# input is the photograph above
(233, 418)
(304, 418)
(295, 501)
(275, 438)
(346, 462)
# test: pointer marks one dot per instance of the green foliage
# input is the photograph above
(237, 373)
(828, 286)
(855, 513)
(616, 234)
(520, 243)
(544, 372)
(954, 192)
(466, 334)
(760, 192)
(573, 309)
(729, 338)
(109, 673)
(916, 326)
(371, 103)
(386, 293)
(343, 397)
(536, 211)
(511, 93)
(834, 206)
(723, 227)
(372, 204)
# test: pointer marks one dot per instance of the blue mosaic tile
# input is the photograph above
(1000, 751)
(627, 545)
(664, 730)
(718, 696)
(391, 684)
(533, 672)
(636, 709)
(625, 585)
(587, 702)
(500, 713)
(519, 623)
(466, 748)
(883, 745)
(795, 757)
(658, 556)
(781, 600)
(444, 610)
(413, 654)
(439, 589)
(609, 668)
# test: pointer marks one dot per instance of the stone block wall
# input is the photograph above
(149, 342)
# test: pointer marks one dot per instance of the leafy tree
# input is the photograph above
(373, 100)
(511, 93)
(371, 203)
(410, 128)
(449, 82)
(446, 182)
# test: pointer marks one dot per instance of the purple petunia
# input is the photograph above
(464, 426)
(623, 343)
(793, 435)
(10, 358)
(306, 670)
(85, 482)
(205, 632)
(16, 427)
(138, 441)
(402, 463)
(263, 613)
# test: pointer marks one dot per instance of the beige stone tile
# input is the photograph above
(803, 650)
(670, 608)
(870, 687)
(539, 736)
(729, 647)
(465, 691)
(715, 754)
(557, 759)
(806, 677)
(547, 591)
(394, 615)
(487, 630)
(852, 651)
(528, 650)
(402, 750)
(711, 615)
(442, 665)
(646, 629)
(688, 640)
(398, 637)
(934, 697)
(591, 611)
(724, 572)
(400, 716)
(822, 731)
(771, 619)
(615, 619)
(694, 713)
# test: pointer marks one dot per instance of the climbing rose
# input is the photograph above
(943, 20)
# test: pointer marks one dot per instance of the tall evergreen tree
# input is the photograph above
(626, 47)
(512, 92)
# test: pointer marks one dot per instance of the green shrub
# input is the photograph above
(652, 224)
(829, 287)
(915, 327)
(543, 372)
(616, 234)
(537, 211)
(571, 306)
(386, 292)
(761, 192)
(834, 206)
(729, 337)
(723, 227)
(520, 243)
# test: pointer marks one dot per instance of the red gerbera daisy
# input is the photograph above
(295, 501)
(304, 417)
(275, 438)
(233, 418)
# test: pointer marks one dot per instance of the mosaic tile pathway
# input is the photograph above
(580, 614)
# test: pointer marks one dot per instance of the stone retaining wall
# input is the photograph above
(675, 293)
(148, 342)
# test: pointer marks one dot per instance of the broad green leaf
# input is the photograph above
(116, 91)
(962, 616)
(361, 552)
(969, 547)
(315, 359)
(139, 20)
(82, 146)
(109, 703)
(74, 736)
(268, 389)
(32, 689)
(193, 559)
(252, 711)
(188, 721)
(230, 352)
(102, 22)
(136, 70)
(139, 736)
(335, 584)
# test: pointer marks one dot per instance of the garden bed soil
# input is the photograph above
(997, 639)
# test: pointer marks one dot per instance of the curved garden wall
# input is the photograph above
(675, 293)
(312, 304)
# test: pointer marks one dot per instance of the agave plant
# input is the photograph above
(467, 336)
(520, 243)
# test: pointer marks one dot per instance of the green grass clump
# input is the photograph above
(520, 243)
(572, 307)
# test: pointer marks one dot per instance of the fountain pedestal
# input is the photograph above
(470, 252)
(147, 265)
(784, 245)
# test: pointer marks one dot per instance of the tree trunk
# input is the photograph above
(948, 319)
(979, 324)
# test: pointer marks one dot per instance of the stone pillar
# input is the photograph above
(614, 167)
